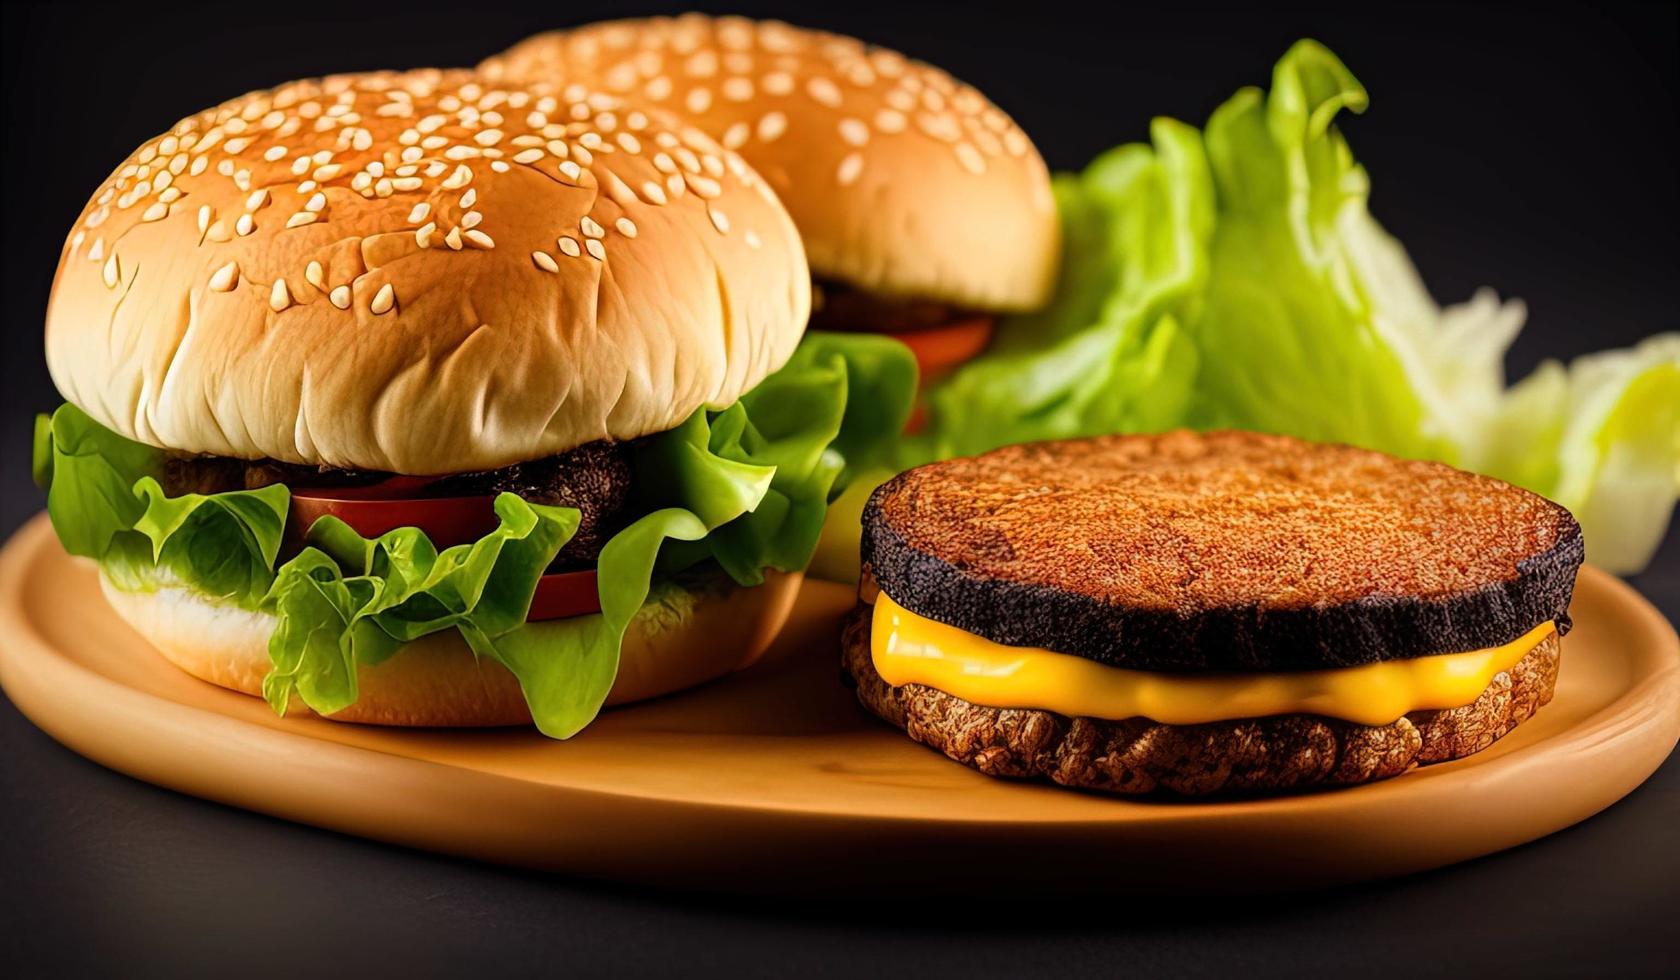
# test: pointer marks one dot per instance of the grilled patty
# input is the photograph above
(593, 478)
(1251, 755)
(1221, 551)
(838, 307)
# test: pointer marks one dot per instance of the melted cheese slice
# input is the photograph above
(911, 649)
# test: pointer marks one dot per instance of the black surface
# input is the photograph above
(1532, 148)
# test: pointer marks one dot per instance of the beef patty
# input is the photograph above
(593, 478)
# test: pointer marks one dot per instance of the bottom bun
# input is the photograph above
(1251, 755)
(683, 635)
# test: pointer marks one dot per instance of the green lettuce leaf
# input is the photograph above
(1109, 354)
(1234, 277)
(744, 487)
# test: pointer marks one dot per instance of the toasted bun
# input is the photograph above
(421, 273)
(681, 639)
(1252, 755)
(1221, 551)
(903, 180)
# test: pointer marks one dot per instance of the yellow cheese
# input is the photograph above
(911, 649)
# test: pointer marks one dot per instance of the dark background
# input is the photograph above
(1529, 148)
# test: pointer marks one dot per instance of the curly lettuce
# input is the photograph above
(1234, 277)
(745, 487)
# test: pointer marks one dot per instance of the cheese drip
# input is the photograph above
(912, 649)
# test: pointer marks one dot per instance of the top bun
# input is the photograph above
(904, 181)
(423, 273)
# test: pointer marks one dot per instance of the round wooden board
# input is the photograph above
(774, 781)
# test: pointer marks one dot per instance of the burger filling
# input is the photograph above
(593, 479)
(907, 648)
(941, 336)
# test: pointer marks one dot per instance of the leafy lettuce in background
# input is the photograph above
(1234, 277)
(745, 486)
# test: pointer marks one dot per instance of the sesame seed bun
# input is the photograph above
(904, 181)
(680, 638)
(421, 273)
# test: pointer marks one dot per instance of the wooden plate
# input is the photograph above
(775, 781)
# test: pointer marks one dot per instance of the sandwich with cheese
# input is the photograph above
(924, 208)
(1198, 614)
(417, 399)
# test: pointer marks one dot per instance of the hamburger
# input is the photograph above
(1196, 614)
(419, 399)
(924, 208)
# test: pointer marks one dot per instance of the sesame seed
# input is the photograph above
(569, 246)
(890, 121)
(720, 221)
(469, 198)
(545, 261)
(316, 202)
(778, 83)
(699, 99)
(407, 183)
(772, 125)
(594, 247)
(256, 200)
(706, 187)
(570, 170)
(111, 272)
(488, 137)
(327, 172)
(471, 219)
(824, 91)
(423, 234)
(274, 153)
(462, 176)
(736, 135)
(625, 227)
(480, 239)
(590, 227)
(738, 89)
(315, 275)
(970, 158)
(853, 131)
(528, 156)
(225, 278)
(244, 226)
(300, 166)
(753, 241)
(630, 143)
(419, 212)
(850, 167)
(278, 297)
(198, 166)
(204, 213)
(453, 239)
(300, 219)
(340, 297)
(383, 300)
(657, 88)
(156, 212)
(499, 166)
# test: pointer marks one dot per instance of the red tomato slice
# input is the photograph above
(371, 511)
(446, 520)
(939, 349)
(563, 595)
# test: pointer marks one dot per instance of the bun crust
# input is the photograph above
(903, 181)
(1221, 551)
(421, 273)
(689, 638)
